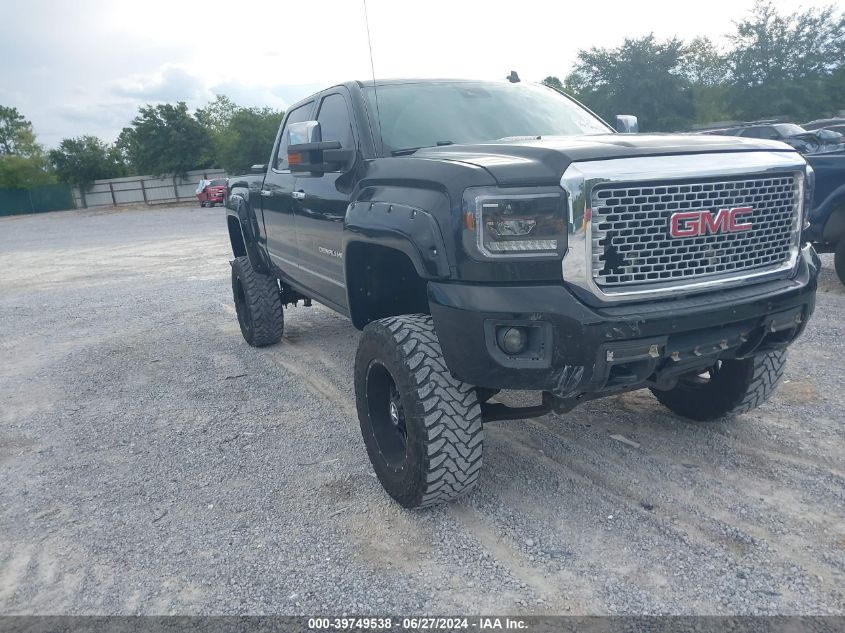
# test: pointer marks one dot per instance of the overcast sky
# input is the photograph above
(84, 67)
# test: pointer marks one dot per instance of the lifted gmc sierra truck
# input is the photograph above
(492, 235)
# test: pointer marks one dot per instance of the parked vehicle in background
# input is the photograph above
(835, 125)
(806, 142)
(493, 235)
(211, 192)
(827, 217)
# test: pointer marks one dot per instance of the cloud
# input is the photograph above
(293, 93)
(169, 84)
(84, 67)
(278, 96)
(100, 115)
(249, 95)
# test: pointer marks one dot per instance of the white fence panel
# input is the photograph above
(143, 189)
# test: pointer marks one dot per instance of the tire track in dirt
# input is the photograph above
(667, 528)
(764, 445)
(41, 567)
(307, 364)
(748, 483)
(547, 587)
(314, 382)
(699, 522)
(13, 572)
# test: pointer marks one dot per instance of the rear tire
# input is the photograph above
(421, 426)
(839, 260)
(730, 388)
(258, 303)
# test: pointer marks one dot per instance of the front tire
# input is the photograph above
(839, 260)
(258, 303)
(421, 426)
(729, 388)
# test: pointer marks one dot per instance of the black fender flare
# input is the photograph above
(239, 206)
(402, 227)
(834, 228)
(833, 210)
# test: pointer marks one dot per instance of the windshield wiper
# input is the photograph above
(411, 150)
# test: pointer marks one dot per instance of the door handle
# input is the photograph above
(298, 195)
(265, 193)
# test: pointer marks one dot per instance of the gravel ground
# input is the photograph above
(151, 462)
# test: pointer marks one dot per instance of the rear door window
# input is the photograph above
(335, 123)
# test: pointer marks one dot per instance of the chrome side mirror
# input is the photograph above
(304, 132)
(627, 124)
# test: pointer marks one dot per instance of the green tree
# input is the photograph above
(771, 46)
(835, 90)
(704, 64)
(24, 172)
(166, 139)
(553, 82)
(120, 149)
(217, 115)
(82, 160)
(707, 70)
(16, 134)
(642, 76)
(22, 160)
(782, 64)
(248, 138)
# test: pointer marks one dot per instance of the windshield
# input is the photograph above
(432, 113)
(218, 182)
(789, 129)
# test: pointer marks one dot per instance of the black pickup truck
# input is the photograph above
(493, 235)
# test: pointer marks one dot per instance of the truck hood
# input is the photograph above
(542, 161)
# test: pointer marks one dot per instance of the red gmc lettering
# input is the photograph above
(734, 224)
(691, 226)
(715, 223)
(696, 223)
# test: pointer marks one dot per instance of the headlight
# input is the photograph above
(509, 223)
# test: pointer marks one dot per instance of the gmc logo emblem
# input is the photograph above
(697, 223)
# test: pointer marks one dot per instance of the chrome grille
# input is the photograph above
(631, 244)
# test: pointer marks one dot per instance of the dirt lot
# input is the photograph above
(152, 462)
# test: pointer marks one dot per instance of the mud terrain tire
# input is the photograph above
(258, 304)
(731, 388)
(421, 426)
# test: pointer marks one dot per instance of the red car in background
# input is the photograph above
(210, 192)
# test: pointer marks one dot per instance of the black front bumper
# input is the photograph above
(578, 350)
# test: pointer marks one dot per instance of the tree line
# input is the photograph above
(790, 65)
(162, 139)
(777, 64)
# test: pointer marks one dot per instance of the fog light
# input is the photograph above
(512, 340)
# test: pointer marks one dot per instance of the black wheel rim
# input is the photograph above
(387, 416)
(241, 307)
(700, 378)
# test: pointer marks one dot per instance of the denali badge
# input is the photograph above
(696, 223)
